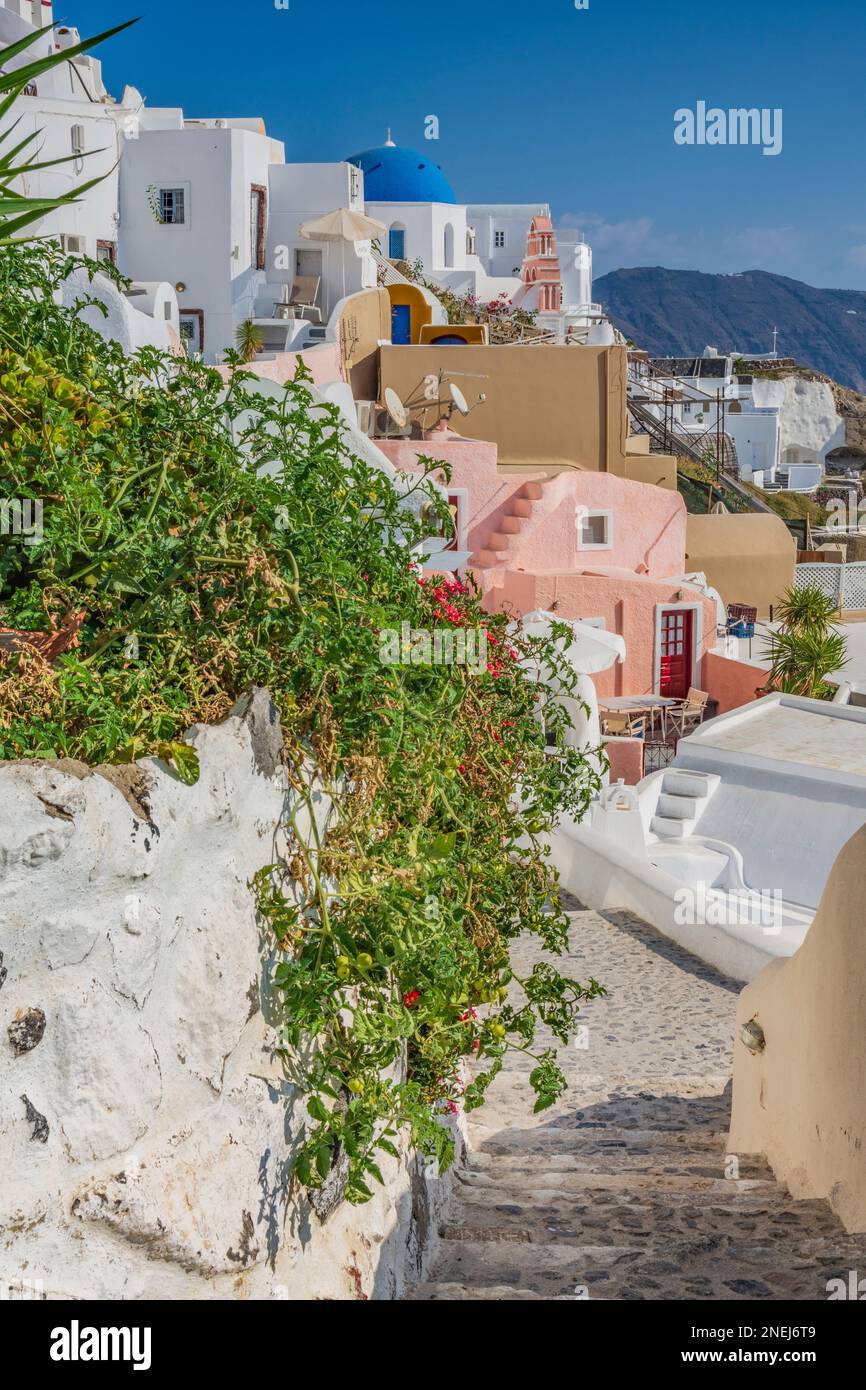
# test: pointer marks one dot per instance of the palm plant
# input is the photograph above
(249, 339)
(18, 211)
(807, 609)
(807, 648)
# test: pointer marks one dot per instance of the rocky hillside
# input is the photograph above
(679, 312)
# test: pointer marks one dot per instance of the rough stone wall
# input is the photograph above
(809, 419)
(146, 1125)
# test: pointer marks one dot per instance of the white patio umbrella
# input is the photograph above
(343, 224)
(592, 650)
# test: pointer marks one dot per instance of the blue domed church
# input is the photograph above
(408, 191)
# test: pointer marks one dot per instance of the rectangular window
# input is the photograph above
(594, 530)
(192, 330)
(106, 251)
(258, 225)
(397, 244)
(172, 205)
(499, 240)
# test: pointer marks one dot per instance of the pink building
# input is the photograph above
(586, 545)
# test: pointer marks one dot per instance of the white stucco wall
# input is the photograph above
(146, 320)
(808, 419)
(211, 252)
(425, 225)
(146, 1124)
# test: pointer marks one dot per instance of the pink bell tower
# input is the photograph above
(541, 268)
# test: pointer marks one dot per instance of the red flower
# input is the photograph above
(411, 998)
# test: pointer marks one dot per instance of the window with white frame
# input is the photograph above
(458, 505)
(594, 530)
(172, 205)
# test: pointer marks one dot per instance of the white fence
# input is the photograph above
(844, 584)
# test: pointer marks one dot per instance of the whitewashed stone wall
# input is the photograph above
(808, 419)
(146, 1127)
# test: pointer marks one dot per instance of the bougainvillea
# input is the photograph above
(198, 538)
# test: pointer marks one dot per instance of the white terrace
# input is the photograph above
(728, 851)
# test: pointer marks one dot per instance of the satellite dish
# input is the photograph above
(459, 399)
(395, 408)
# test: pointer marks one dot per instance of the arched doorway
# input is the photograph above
(449, 246)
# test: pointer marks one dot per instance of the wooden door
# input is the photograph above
(677, 652)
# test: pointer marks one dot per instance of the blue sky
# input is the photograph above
(539, 101)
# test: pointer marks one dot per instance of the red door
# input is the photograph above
(677, 649)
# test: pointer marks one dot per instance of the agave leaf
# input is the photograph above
(20, 77)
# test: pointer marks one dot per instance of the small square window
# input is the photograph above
(594, 531)
(499, 239)
(172, 205)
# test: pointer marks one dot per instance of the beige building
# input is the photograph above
(748, 556)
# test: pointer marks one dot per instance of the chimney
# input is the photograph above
(42, 13)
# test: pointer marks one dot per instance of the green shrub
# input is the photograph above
(201, 539)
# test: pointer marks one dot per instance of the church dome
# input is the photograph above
(395, 175)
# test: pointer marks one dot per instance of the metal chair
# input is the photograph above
(305, 290)
(623, 726)
(691, 712)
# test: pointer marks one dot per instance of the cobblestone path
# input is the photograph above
(625, 1189)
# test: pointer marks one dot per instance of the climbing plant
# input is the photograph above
(198, 538)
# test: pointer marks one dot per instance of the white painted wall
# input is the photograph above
(211, 253)
(301, 193)
(157, 1164)
(809, 421)
(425, 225)
(513, 220)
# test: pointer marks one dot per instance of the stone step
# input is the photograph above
(485, 558)
(669, 829)
(683, 782)
(511, 525)
(533, 492)
(509, 1185)
(522, 506)
(673, 806)
(498, 541)
(616, 1160)
(702, 1266)
(646, 1217)
(430, 1293)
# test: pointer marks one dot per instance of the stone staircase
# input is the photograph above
(520, 509)
(683, 798)
(625, 1191)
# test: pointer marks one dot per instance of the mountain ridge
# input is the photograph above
(677, 313)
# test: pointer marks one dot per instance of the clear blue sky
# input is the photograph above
(540, 101)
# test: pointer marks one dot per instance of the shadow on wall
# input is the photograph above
(801, 1101)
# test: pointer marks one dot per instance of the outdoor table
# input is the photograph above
(639, 704)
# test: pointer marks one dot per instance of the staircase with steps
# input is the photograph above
(683, 798)
(521, 508)
(625, 1190)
